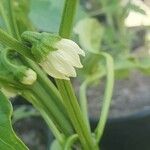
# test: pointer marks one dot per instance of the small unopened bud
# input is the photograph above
(29, 77)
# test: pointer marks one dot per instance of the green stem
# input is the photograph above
(107, 96)
(68, 18)
(70, 141)
(11, 19)
(83, 102)
(55, 112)
(82, 93)
(6, 39)
(11, 42)
(75, 114)
(35, 101)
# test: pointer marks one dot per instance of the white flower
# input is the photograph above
(61, 62)
(29, 77)
(57, 56)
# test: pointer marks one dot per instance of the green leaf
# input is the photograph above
(8, 138)
(90, 34)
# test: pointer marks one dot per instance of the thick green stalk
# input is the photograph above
(76, 115)
(49, 103)
(65, 87)
(69, 12)
(35, 101)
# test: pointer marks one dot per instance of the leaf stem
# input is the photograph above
(83, 102)
(107, 96)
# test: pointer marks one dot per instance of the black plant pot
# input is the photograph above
(128, 133)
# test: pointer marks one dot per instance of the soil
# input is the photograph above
(131, 95)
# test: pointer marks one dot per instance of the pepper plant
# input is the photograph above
(27, 57)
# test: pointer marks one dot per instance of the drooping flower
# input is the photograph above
(57, 56)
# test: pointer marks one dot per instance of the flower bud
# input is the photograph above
(29, 78)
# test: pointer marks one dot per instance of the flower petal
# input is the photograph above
(69, 44)
(50, 70)
(59, 62)
(71, 57)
